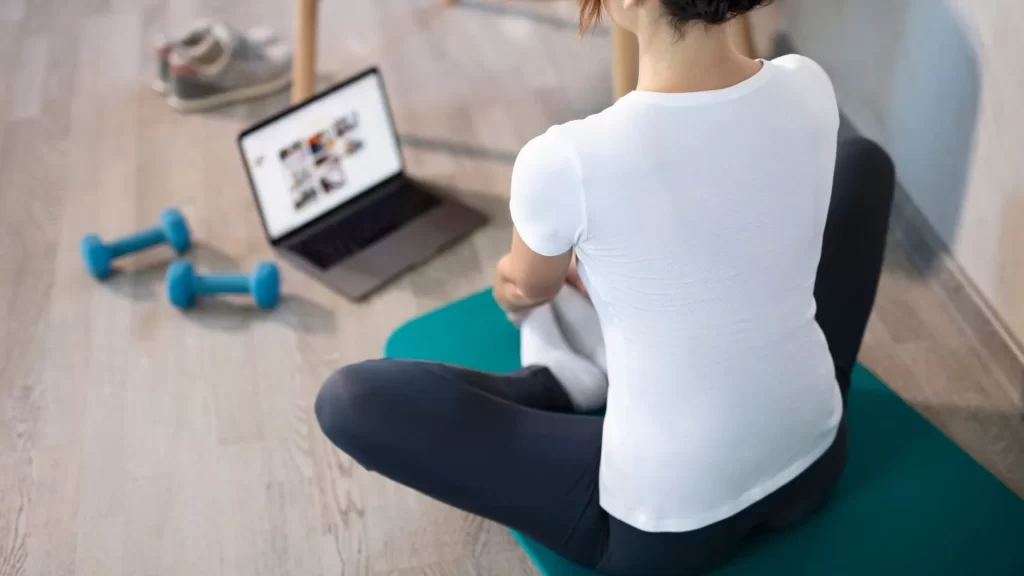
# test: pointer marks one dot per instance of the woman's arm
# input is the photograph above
(524, 279)
(548, 217)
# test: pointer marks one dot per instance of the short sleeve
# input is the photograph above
(817, 80)
(547, 195)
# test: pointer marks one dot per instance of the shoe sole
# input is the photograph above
(160, 87)
(231, 97)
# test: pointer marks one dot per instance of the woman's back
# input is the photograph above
(697, 220)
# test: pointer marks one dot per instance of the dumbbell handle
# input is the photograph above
(233, 284)
(136, 241)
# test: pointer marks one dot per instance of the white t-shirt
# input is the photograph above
(697, 219)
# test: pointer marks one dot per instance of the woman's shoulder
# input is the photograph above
(812, 86)
(806, 69)
(575, 135)
(549, 149)
(562, 143)
(549, 157)
(565, 152)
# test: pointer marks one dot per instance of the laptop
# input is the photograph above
(330, 186)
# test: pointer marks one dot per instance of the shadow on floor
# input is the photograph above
(914, 246)
(143, 279)
(916, 88)
(141, 276)
(209, 258)
(897, 261)
(236, 313)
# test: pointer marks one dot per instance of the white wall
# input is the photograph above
(940, 83)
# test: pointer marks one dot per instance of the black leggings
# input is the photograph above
(508, 448)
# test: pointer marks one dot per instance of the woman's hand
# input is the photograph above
(524, 279)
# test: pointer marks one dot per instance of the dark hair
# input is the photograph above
(682, 12)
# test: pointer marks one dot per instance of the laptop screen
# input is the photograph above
(321, 155)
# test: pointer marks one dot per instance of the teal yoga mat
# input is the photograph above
(910, 502)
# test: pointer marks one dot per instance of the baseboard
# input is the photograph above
(931, 257)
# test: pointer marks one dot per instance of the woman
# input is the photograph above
(732, 251)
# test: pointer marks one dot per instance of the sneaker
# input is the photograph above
(194, 42)
(230, 70)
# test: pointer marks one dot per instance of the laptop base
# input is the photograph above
(414, 243)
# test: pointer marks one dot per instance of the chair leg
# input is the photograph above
(304, 63)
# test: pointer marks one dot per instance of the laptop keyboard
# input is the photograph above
(367, 224)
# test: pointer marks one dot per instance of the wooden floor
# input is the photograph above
(138, 440)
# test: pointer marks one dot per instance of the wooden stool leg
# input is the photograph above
(304, 62)
(625, 61)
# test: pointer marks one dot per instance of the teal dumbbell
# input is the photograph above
(98, 255)
(183, 284)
